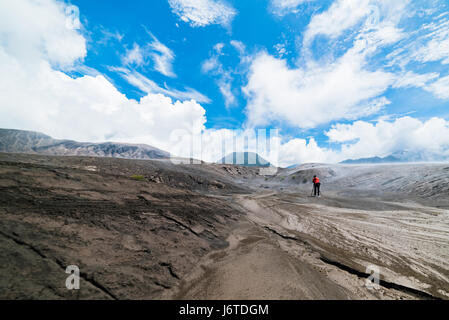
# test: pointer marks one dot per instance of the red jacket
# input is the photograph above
(316, 180)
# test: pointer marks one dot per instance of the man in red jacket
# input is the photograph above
(316, 186)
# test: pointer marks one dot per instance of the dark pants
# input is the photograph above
(316, 189)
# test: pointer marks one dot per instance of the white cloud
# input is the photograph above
(108, 36)
(429, 43)
(219, 47)
(162, 57)
(283, 7)
(38, 30)
(372, 106)
(364, 139)
(134, 56)
(209, 147)
(375, 22)
(149, 86)
(34, 95)
(87, 108)
(341, 15)
(437, 46)
(239, 46)
(411, 79)
(376, 19)
(297, 151)
(225, 86)
(280, 49)
(160, 54)
(339, 85)
(213, 64)
(440, 88)
(359, 139)
(200, 13)
(224, 79)
(308, 97)
(210, 64)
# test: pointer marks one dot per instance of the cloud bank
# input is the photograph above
(35, 93)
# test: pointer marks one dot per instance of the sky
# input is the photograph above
(342, 79)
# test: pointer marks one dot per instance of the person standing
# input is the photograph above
(316, 186)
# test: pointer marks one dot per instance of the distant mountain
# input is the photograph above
(19, 141)
(401, 156)
(247, 159)
(388, 159)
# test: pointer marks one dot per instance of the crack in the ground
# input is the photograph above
(383, 283)
(180, 223)
(172, 219)
(280, 234)
(161, 285)
(360, 274)
(170, 269)
(84, 276)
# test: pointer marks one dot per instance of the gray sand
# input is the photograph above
(221, 232)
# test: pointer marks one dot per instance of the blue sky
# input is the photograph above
(339, 79)
(191, 45)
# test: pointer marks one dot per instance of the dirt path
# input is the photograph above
(254, 266)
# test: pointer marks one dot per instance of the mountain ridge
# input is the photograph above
(23, 141)
(402, 156)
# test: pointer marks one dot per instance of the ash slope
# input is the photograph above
(134, 227)
(150, 230)
(426, 183)
(393, 216)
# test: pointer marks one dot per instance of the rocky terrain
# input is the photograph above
(150, 229)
